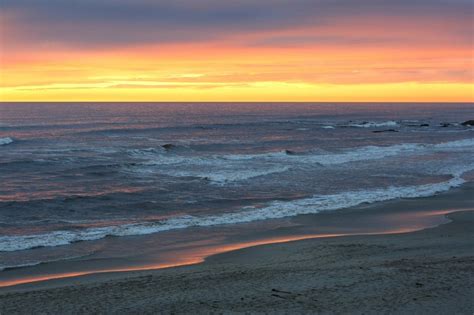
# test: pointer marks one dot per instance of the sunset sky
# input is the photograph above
(240, 50)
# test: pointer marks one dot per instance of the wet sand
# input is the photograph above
(428, 271)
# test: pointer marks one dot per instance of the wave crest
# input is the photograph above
(372, 124)
(223, 169)
(6, 140)
(274, 210)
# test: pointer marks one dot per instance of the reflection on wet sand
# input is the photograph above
(414, 221)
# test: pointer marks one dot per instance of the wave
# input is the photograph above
(372, 124)
(274, 210)
(217, 169)
(222, 169)
(5, 141)
(348, 155)
(230, 175)
(455, 144)
(30, 264)
(5, 267)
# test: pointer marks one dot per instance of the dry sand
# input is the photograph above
(425, 272)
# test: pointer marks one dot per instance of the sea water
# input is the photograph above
(84, 172)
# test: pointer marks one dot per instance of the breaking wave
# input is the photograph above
(5, 141)
(222, 169)
(371, 124)
(273, 210)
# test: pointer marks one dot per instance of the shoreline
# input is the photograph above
(412, 214)
(237, 269)
(424, 271)
(70, 278)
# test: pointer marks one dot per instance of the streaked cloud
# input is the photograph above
(107, 47)
(119, 22)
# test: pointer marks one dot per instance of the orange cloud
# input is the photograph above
(359, 58)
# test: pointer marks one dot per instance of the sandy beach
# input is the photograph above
(428, 271)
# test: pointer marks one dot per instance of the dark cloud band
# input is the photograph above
(108, 22)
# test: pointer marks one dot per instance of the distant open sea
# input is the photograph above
(87, 179)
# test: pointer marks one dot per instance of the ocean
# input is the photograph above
(138, 183)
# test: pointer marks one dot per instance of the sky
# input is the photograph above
(239, 50)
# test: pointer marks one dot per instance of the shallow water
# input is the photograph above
(82, 172)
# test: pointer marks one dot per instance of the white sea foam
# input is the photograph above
(372, 124)
(356, 154)
(223, 176)
(222, 169)
(218, 169)
(5, 141)
(274, 210)
(349, 155)
(464, 143)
